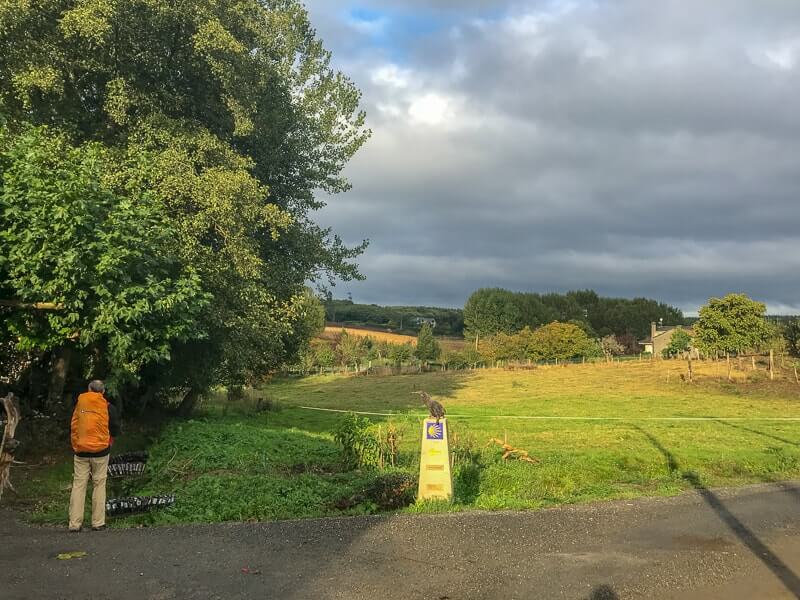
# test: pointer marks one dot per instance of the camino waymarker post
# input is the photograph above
(435, 480)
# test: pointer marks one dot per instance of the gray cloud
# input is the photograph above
(637, 148)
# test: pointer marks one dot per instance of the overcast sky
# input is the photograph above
(638, 148)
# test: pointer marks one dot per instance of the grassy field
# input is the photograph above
(598, 432)
(381, 336)
(446, 343)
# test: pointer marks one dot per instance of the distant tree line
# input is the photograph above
(732, 325)
(449, 321)
(490, 311)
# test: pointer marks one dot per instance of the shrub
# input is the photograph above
(360, 447)
(463, 359)
(386, 491)
(681, 342)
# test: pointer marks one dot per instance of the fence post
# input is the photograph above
(771, 366)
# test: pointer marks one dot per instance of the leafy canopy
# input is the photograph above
(679, 343)
(195, 134)
(79, 230)
(427, 347)
(734, 323)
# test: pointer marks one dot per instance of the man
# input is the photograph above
(94, 425)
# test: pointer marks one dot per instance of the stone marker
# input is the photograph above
(435, 480)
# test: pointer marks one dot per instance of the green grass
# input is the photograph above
(234, 463)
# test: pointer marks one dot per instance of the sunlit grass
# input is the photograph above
(238, 461)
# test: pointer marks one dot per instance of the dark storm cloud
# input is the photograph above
(634, 147)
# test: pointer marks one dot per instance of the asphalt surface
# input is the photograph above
(727, 544)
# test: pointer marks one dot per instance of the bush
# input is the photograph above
(681, 342)
(463, 359)
(387, 491)
(392, 490)
(360, 448)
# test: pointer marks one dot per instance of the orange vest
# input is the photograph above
(89, 431)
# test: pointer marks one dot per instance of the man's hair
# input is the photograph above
(97, 386)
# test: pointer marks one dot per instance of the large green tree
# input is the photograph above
(561, 341)
(78, 230)
(791, 333)
(489, 311)
(731, 324)
(427, 347)
(228, 117)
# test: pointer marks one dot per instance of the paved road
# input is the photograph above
(707, 544)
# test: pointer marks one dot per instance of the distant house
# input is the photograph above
(660, 337)
(420, 321)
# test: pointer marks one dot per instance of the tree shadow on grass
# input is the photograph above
(371, 393)
(757, 432)
(780, 569)
(788, 488)
(317, 404)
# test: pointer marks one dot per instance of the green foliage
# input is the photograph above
(324, 354)
(427, 347)
(491, 311)
(78, 229)
(309, 324)
(360, 447)
(731, 324)
(791, 333)
(611, 347)
(286, 464)
(389, 491)
(401, 353)
(462, 359)
(449, 321)
(562, 341)
(185, 143)
(679, 343)
(352, 349)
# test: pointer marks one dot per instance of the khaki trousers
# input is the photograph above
(98, 469)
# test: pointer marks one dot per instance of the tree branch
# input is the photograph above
(32, 305)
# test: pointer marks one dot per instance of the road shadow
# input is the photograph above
(757, 432)
(780, 569)
(603, 592)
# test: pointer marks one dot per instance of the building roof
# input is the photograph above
(664, 329)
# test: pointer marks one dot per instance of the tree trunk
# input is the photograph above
(58, 376)
(7, 442)
(188, 403)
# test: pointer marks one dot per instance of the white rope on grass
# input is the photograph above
(559, 418)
